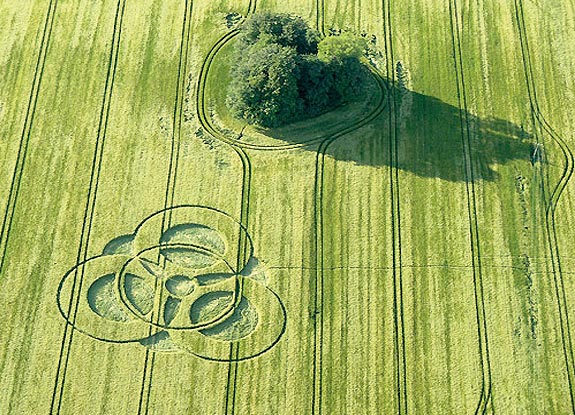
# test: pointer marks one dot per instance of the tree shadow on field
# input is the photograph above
(430, 140)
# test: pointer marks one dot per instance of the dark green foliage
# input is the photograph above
(348, 77)
(342, 54)
(264, 86)
(315, 86)
(342, 47)
(278, 78)
(283, 29)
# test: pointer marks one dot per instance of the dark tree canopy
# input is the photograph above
(264, 89)
(283, 29)
(278, 77)
(342, 47)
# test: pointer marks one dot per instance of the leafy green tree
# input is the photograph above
(316, 86)
(341, 47)
(278, 76)
(283, 29)
(264, 88)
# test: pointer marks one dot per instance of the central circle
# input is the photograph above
(140, 276)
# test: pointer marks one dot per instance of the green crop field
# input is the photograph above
(408, 253)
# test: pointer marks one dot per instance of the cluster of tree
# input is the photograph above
(282, 72)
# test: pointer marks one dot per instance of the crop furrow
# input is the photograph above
(149, 357)
(482, 332)
(89, 209)
(26, 131)
(541, 125)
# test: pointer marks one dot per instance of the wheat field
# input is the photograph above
(409, 253)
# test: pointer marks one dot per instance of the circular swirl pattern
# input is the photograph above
(177, 283)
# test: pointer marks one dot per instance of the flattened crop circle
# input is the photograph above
(127, 269)
(269, 328)
(80, 313)
(207, 221)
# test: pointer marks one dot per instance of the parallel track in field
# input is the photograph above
(233, 369)
(485, 399)
(542, 128)
(14, 192)
(150, 356)
(89, 209)
(318, 254)
(394, 188)
(324, 144)
(205, 122)
(240, 148)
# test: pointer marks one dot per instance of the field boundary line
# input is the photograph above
(89, 210)
(26, 132)
(389, 268)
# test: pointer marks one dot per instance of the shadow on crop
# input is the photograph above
(430, 138)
